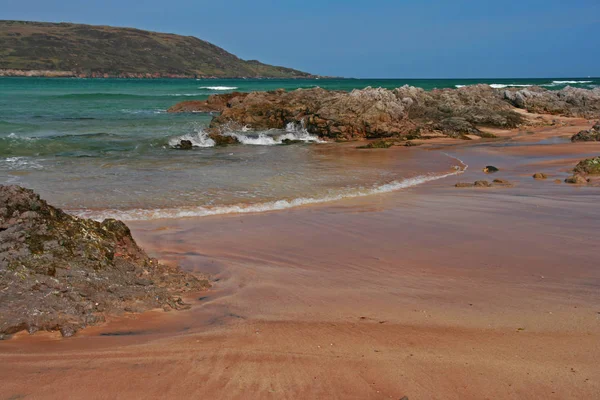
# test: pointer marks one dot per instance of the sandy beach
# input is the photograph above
(431, 292)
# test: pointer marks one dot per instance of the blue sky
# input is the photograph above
(357, 38)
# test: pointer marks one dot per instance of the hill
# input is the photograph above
(66, 49)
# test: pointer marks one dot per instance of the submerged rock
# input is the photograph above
(540, 176)
(590, 135)
(59, 272)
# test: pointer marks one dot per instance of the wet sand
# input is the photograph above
(432, 292)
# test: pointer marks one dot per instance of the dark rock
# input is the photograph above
(185, 145)
(540, 176)
(490, 169)
(74, 270)
(591, 166)
(290, 141)
(463, 185)
(590, 135)
(410, 144)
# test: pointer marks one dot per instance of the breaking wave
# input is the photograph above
(199, 139)
(201, 211)
(570, 82)
(293, 132)
(218, 87)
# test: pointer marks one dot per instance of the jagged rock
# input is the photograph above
(540, 176)
(590, 135)
(572, 102)
(214, 103)
(404, 112)
(368, 113)
(590, 166)
(59, 272)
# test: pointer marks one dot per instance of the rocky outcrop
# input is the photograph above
(570, 102)
(590, 135)
(59, 272)
(214, 103)
(405, 113)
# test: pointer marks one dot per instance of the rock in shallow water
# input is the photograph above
(59, 272)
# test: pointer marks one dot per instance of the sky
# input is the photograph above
(366, 39)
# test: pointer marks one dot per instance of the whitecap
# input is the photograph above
(570, 82)
(218, 87)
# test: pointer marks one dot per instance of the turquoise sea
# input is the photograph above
(103, 147)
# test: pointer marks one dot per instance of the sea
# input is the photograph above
(105, 148)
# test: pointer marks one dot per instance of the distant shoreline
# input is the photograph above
(18, 73)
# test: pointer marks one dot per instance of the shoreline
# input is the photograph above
(430, 292)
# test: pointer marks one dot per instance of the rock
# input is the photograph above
(223, 140)
(482, 184)
(290, 141)
(214, 103)
(590, 135)
(377, 144)
(557, 181)
(406, 112)
(410, 144)
(185, 145)
(502, 182)
(368, 113)
(571, 102)
(576, 179)
(540, 176)
(590, 166)
(490, 169)
(463, 185)
(74, 270)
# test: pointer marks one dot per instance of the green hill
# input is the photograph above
(85, 50)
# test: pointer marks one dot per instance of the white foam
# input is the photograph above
(199, 139)
(570, 82)
(292, 132)
(499, 85)
(218, 87)
(185, 212)
(20, 163)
